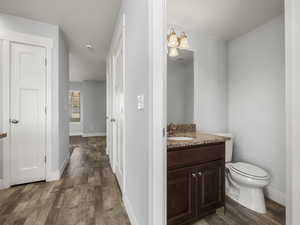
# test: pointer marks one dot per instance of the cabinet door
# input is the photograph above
(181, 195)
(211, 186)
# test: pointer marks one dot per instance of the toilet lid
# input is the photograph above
(249, 170)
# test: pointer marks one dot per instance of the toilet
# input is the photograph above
(244, 181)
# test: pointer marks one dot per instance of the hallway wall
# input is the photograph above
(1, 114)
(136, 196)
(93, 108)
(93, 97)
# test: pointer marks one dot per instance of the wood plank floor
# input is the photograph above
(239, 215)
(88, 194)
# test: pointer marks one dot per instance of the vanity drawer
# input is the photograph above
(178, 158)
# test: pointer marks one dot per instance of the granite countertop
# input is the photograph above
(198, 139)
(3, 135)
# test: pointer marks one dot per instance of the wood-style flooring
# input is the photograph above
(88, 194)
(239, 215)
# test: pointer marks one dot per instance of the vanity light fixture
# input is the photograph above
(173, 52)
(173, 39)
(175, 42)
(183, 41)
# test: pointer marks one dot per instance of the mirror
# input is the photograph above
(180, 86)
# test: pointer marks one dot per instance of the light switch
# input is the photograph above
(140, 104)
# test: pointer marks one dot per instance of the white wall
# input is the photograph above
(256, 91)
(211, 83)
(93, 96)
(189, 93)
(180, 86)
(1, 115)
(76, 127)
(210, 80)
(64, 117)
(137, 121)
(22, 25)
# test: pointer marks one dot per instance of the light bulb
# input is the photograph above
(183, 42)
(173, 52)
(173, 40)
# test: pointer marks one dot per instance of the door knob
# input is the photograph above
(200, 174)
(14, 121)
(194, 175)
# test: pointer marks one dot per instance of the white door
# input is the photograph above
(119, 114)
(28, 115)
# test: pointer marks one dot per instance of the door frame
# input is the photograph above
(157, 11)
(116, 53)
(120, 39)
(7, 37)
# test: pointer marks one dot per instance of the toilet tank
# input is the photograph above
(228, 145)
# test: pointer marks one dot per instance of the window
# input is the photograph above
(74, 101)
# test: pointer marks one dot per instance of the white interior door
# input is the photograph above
(119, 114)
(28, 115)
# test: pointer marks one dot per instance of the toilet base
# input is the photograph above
(249, 197)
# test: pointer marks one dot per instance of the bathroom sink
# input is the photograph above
(180, 138)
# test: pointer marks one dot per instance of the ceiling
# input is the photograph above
(82, 22)
(225, 19)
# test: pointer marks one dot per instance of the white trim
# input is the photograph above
(132, 218)
(1, 184)
(56, 175)
(94, 134)
(275, 195)
(76, 134)
(26, 38)
(64, 165)
(119, 38)
(157, 119)
(7, 37)
(292, 38)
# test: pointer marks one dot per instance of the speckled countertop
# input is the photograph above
(3, 135)
(198, 139)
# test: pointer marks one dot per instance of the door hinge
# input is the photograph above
(45, 109)
(45, 61)
(164, 132)
(45, 159)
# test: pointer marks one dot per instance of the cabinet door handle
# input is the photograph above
(194, 175)
(200, 174)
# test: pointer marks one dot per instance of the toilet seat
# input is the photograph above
(250, 171)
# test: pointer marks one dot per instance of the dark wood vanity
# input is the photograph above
(195, 180)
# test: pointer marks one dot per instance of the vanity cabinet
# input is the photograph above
(195, 188)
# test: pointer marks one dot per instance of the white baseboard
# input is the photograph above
(64, 165)
(93, 134)
(275, 195)
(76, 134)
(56, 175)
(130, 212)
(1, 184)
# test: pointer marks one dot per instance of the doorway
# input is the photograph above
(116, 107)
(27, 110)
(118, 90)
(27, 113)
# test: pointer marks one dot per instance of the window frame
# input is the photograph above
(71, 119)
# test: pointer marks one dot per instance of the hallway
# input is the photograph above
(87, 194)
